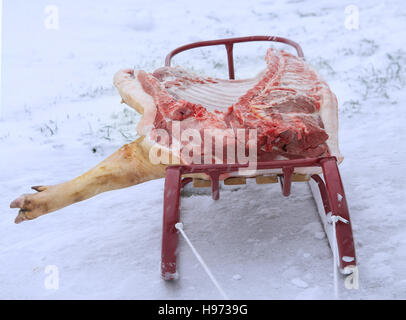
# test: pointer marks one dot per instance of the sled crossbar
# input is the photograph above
(229, 44)
(226, 168)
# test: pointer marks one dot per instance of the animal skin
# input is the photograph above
(288, 96)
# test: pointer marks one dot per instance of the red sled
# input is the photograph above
(327, 189)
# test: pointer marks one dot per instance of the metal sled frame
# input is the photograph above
(328, 193)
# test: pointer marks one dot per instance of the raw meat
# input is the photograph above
(290, 106)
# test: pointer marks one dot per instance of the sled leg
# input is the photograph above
(286, 180)
(170, 218)
(215, 188)
(339, 208)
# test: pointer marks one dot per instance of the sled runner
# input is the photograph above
(321, 173)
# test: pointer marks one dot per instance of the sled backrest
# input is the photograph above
(229, 43)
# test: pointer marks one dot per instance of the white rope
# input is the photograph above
(179, 226)
(334, 220)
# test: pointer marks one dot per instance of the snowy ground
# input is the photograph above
(61, 116)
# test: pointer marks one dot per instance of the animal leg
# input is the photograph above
(128, 166)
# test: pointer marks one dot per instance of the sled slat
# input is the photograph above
(235, 181)
(298, 177)
(201, 183)
(266, 179)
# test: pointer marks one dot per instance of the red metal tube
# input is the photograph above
(229, 47)
(170, 218)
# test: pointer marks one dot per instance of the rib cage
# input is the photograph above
(218, 96)
(284, 72)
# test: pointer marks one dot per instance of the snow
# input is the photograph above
(299, 283)
(319, 235)
(237, 277)
(61, 116)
